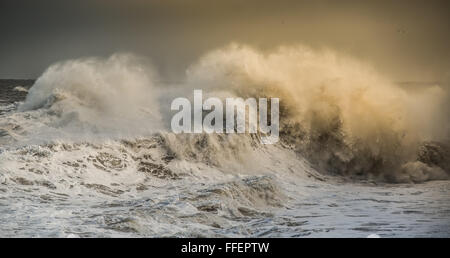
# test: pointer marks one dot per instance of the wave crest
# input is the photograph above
(336, 111)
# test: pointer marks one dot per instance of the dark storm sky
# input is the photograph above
(407, 40)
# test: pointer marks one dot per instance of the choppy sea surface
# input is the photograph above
(167, 185)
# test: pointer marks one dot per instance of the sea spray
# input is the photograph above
(116, 95)
(336, 111)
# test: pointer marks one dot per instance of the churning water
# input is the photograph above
(86, 151)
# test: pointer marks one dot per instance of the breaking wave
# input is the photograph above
(335, 112)
(338, 112)
(101, 96)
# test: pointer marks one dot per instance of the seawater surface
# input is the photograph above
(137, 187)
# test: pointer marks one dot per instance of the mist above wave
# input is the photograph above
(114, 95)
(336, 111)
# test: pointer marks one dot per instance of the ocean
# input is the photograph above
(85, 151)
